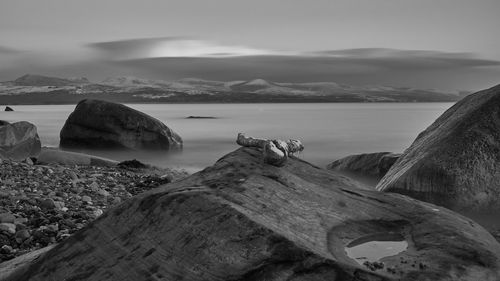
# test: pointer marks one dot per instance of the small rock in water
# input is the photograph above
(132, 164)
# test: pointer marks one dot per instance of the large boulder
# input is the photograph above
(19, 140)
(368, 164)
(455, 162)
(241, 219)
(97, 124)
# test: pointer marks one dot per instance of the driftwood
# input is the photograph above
(275, 152)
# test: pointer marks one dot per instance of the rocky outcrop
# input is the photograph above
(19, 140)
(55, 156)
(241, 219)
(369, 164)
(455, 162)
(97, 124)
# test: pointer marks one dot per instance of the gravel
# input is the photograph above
(45, 204)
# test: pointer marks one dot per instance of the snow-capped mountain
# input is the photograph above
(43, 89)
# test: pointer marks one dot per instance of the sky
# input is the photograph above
(448, 44)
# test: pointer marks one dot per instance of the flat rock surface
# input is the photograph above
(244, 220)
(455, 162)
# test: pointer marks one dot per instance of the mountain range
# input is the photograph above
(38, 89)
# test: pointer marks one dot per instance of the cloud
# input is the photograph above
(421, 72)
(172, 47)
(171, 58)
(415, 59)
(347, 61)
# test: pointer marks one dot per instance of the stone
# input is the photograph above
(58, 205)
(280, 223)
(9, 228)
(28, 161)
(97, 213)
(6, 249)
(19, 140)
(86, 199)
(455, 162)
(94, 186)
(47, 203)
(102, 192)
(20, 221)
(7, 217)
(134, 164)
(373, 165)
(22, 235)
(97, 124)
(52, 228)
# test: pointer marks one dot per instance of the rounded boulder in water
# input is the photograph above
(97, 124)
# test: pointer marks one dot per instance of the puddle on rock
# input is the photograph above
(374, 247)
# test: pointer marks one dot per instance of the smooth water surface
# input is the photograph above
(328, 130)
(375, 247)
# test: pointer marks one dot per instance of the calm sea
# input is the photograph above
(329, 130)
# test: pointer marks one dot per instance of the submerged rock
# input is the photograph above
(55, 156)
(369, 164)
(241, 219)
(455, 162)
(97, 124)
(19, 140)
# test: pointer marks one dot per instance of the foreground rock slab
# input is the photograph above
(97, 124)
(244, 220)
(19, 140)
(455, 162)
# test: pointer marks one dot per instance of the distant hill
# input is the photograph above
(38, 89)
(39, 80)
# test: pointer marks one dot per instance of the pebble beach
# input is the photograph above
(42, 205)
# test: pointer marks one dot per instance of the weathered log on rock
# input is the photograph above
(241, 219)
(455, 162)
(368, 164)
(274, 152)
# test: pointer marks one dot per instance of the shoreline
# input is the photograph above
(44, 204)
